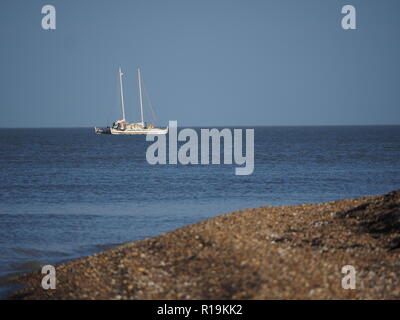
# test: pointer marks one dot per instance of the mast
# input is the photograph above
(140, 95)
(122, 94)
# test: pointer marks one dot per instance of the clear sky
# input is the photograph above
(204, 62)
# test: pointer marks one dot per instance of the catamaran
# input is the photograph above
(124, 127)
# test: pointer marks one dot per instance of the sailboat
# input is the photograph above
(124, 127)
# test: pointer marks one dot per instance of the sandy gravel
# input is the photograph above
(293, 252)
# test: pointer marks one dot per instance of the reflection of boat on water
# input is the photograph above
(124, 127)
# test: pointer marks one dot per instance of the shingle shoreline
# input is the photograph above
(291, 252)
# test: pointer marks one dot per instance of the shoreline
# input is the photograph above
(287, 252)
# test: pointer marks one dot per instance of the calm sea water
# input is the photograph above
(66, 193)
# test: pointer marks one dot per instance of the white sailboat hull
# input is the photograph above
(140, 131)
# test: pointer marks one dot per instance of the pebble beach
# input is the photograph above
(288, 252)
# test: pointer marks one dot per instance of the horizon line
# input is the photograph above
(223, 126)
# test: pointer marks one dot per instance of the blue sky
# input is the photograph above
(204, 63)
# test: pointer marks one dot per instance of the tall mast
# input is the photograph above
(122, 94)
(140, 94)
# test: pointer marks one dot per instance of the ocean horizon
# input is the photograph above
(68, 193)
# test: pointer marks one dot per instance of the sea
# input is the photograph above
(67, 192)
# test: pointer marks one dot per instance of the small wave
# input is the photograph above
(36, 253)
(28, 252)
(27, 266)
(107, 246)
